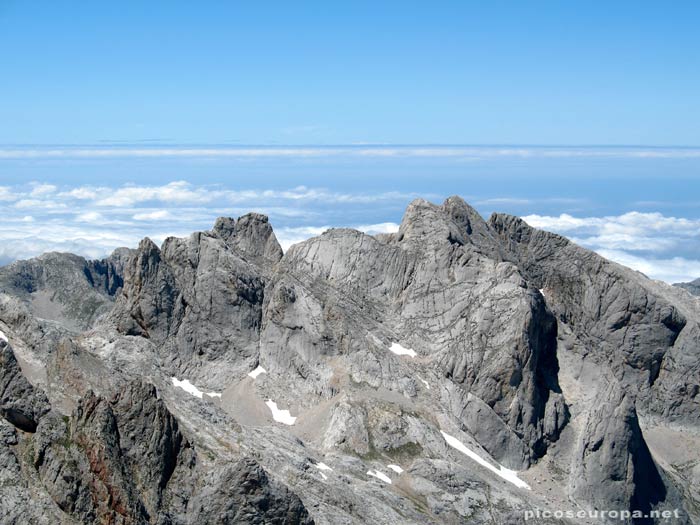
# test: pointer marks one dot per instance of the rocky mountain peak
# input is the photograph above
(251, 235)
(453, 223)
(425, 222)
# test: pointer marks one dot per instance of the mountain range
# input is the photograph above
(461, 370)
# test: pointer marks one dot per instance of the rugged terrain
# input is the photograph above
(693, 286)
(458, 371)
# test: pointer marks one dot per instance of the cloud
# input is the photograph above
(421, 151)
(157, 215)
(37, 204)
(174, 192)
(635, 231)
(40, 190)
(382, 227)
(185, 193)
(288, 236)
(642, 241)
(84, 193)
(93, 220)
(90, 216)
(6, 194)
(673, 270)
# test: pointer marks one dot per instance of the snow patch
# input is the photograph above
(507, 474)
(281, 416)
(322, 466)
(542, 292)
(323, 476)
(191, 389)
(379, 475)
(255, 373)
(427, 385)
(395, 468)
(3, 337)
(397, 349)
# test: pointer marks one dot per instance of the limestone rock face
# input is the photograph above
(20, 403)
(441, 292)
(152, 445)
(613, 467)
(243, 493)
(251, 236)
(612, 454)
(124, 460)
(200, 299)
(693, 286)
(64, 287)
(646, 336)
(457, 371)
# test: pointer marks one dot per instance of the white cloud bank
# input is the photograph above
(420, 151)
(93, 220)
(661, 247)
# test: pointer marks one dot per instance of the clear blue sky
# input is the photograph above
(330, 72)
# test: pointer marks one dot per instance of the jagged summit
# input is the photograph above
(458, 370)
(251, 234)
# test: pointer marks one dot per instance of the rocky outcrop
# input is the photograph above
(243, 493)
(80, 463)
(152, 445)
(114, 461)
(150, 305)
(250, 236)
(612, 467)
(693, 287)
(64, 287)
(200, 298)
(617, 315)
(20, 403)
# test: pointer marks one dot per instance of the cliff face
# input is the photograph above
(459, 369)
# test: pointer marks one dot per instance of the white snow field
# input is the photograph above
(507, 474)
(379, 475)
(395, 468)
(255, 373)
(397, 349)
(281, 416)
(191, 389)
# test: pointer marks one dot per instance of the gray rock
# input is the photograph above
(619, 317)
(693, 286)
(152, 445)
(613, 468)
(200, 299)
(20, 403)
(439, 287)
(64, 287)
(243, 493)
(538, 355)
(250, 236)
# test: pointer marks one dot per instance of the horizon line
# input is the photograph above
(237, 144)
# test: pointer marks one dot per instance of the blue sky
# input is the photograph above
(344, 72)
(127, 119)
